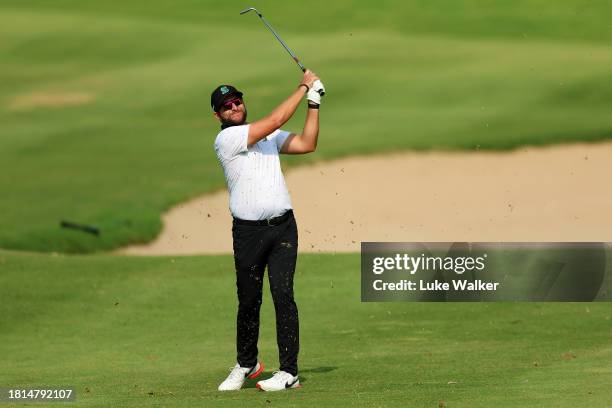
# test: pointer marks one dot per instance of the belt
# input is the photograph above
(269, 222)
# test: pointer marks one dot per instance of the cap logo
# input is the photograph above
(224, 90)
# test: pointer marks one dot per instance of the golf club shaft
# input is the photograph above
(295, 58)
(263, 19)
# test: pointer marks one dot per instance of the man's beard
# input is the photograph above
(225, 123)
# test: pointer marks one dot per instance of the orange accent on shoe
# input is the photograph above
(258, 387)
(258, 372)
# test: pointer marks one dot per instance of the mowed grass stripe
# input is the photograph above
(123, 328)
(568, 20)
(141, 138)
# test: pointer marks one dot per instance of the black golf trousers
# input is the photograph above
(255, 247)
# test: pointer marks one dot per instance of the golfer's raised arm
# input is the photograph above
(307, 141)
(282, 113)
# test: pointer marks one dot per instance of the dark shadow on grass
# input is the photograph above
(319, 370)
(267, 374)
(316, 370)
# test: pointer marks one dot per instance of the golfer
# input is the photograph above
(264, 229)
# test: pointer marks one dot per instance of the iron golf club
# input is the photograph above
(285, 46)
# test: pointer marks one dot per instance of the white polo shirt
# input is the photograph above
(255, 182)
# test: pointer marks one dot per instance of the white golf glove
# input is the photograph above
(314, 94)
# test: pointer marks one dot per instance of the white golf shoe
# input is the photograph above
(279, 381)
(238, 375)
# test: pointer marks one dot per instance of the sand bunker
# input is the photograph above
(49, 100)
(559, 193)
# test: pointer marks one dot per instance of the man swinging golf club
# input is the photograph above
(264, 229)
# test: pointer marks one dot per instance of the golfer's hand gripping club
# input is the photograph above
(314, 84)
(316, 92)
(309, 79)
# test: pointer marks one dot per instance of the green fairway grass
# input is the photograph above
(160, 331)
(138, 137)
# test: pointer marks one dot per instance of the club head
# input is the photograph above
(246, 10)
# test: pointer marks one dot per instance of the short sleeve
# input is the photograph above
(232, 141)
(280, 138)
